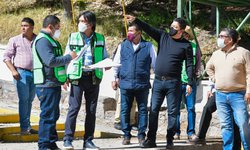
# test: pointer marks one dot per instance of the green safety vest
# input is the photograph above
(76, 43)
(184, 76)
(38, 70)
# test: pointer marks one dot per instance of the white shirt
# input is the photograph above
(135, 46)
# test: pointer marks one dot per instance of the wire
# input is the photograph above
(125, 19)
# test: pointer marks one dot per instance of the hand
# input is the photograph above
(209, 94)
(114, 85)
(108, 68)
(130, 18)
(247, 97)
(66, 85)
(188, 90)
(16, 75)
(73, 54)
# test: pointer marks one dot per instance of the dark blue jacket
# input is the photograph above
(135, 70)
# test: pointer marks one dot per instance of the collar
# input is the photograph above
(233, 48)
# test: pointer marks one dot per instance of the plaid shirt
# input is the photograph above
(19, 51)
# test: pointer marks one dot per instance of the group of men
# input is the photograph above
(39, 61)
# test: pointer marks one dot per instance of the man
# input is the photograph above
(172, 50)
(135, 56)
(206, 117)
(91, 47)
(49, 75)
(19, 50)
(229, 69)
(189, 99)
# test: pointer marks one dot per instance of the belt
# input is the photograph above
(163, 78)
(87, 73)
(24, 69)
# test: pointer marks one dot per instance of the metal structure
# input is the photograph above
(181, 7)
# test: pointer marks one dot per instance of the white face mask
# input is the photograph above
(220, 43)
(57, 34)
(82, 27)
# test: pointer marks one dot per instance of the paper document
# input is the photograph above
(106, 63)
(72, 67)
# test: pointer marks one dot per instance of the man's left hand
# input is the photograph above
(247, 97)
(188, 90)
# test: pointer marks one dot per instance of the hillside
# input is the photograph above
(158, 13)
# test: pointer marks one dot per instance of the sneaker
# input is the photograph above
(67, 145)
(141, 141)
(148, 144)
(170, 144)
(29, 131)
(126, 141)
(177, 136)
(117, 126)
(89, 145)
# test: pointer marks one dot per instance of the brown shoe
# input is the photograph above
(126, 141)
(29, 131)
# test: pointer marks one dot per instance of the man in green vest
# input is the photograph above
(189, 98)
(49, 75)
(90, 46)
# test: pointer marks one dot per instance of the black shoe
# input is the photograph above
(89, 145)
(148, 144)
(170, 144)
(117, 126)
(126, 141)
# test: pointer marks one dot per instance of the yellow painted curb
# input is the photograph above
(34, 137)
(12, 116)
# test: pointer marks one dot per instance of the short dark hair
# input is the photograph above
(90, 17)
(181, 22)
(232, 33)
(50, 19)
(28, 20)
(137, 27)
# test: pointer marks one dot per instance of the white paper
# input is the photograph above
(106, 63)
(71, 67)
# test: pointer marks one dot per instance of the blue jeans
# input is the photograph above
(161, 89)
(190, 104)
(127, 98)
(26, 93)
(49, 103)
(231, 105)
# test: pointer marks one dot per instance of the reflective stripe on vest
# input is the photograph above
(76, 43)
(184, 76)
(60, 72)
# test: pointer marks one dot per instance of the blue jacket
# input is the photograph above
(135, 70)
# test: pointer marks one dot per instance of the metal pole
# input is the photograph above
(190, 10)
(217, 21)
(242, 23)
(179, 8)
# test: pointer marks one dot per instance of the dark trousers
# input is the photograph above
(206, 117)
(49, 98)
(75, 100)
(161, 89)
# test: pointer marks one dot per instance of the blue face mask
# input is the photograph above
(220, 43)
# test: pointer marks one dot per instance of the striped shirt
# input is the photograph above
(19, 51)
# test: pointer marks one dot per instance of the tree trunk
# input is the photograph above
(67, 9)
